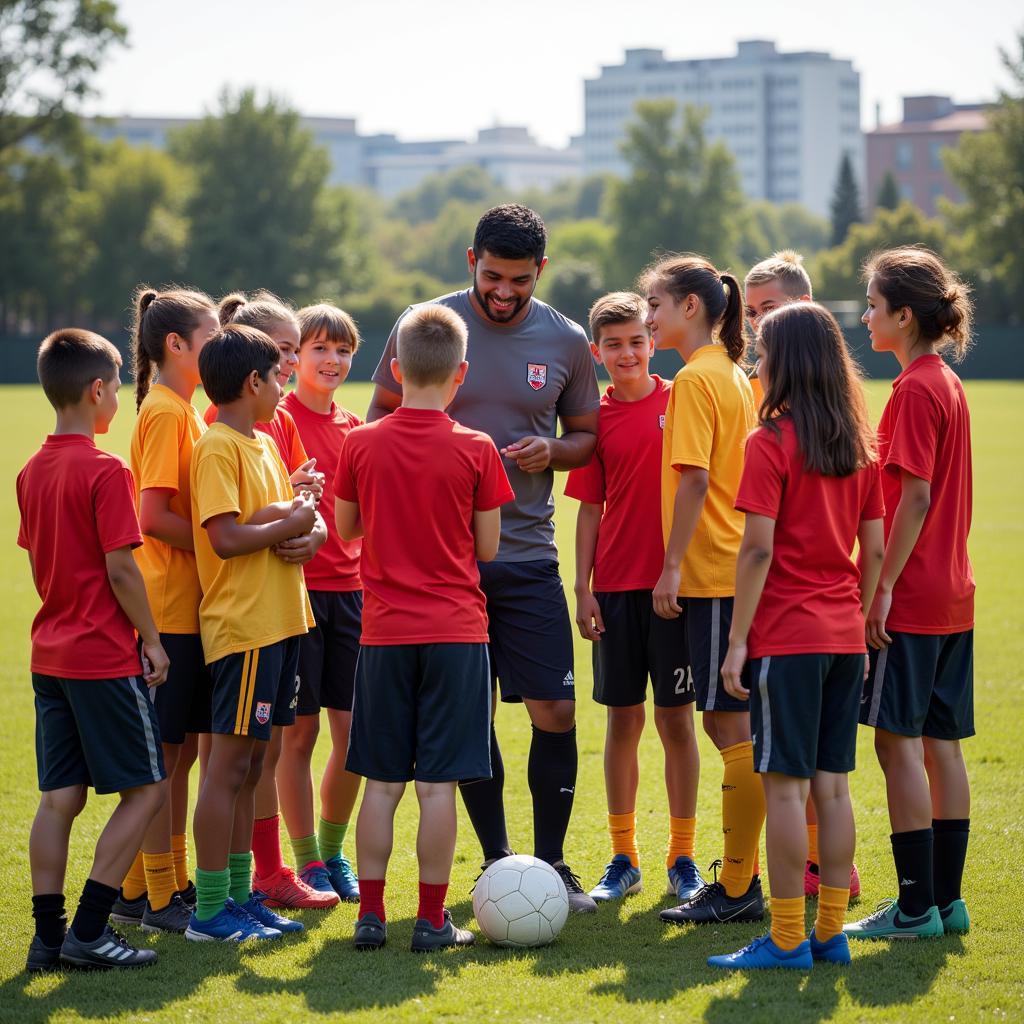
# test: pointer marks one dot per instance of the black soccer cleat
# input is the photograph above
(713, 905)
(580, 901)
(371, 932)
(128, 911)
(173, 918)
(426, 938)
(42, 957)
(108, 951)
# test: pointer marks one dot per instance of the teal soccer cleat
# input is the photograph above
(343, 878)
(889, 922)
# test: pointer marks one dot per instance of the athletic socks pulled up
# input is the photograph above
(788, 929)
(179, 851)
(743, 811)
(832, 904)
(330, 838)
(50, 917)
(240, 873)
(371, 897)
(552, 776)
(622, 829)
(485, 805)
(134, 884)
(306, 850)
(160, 880)
(948, 857)
(266, 846)
(912, 853)
(93, 910)
(212, 889)
(681, 835)
(431, 906)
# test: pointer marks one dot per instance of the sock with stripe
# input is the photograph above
(371, 897)
(94, 908)
(51, 920)
(331, 836)
(912, 852)
(160, 881)
(812, 844)
(681, 834)
(179, 851)
(742, 817)
(622, 829)
(306, 850)
(240, 873)
(788, 929)
(949, 855)
(266, 846)
(134, 884)
(431, 903)
(832, 904)
(212, 888)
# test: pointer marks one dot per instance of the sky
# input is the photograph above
(446, 68)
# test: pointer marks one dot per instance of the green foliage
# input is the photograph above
(571, 286)
(572, 199)
(888, 197)
(469, 183)
(845, 205)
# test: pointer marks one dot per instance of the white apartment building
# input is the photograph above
(787, 117)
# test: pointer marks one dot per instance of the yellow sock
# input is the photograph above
(681, 833)
(832, 904)
(622, 828)
(812, 844)
(788, 922)
(160, 881)
(179, 851)
(742, 817)
(134, 884)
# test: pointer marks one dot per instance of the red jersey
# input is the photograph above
(625, 477)
(283, 431)
(926, 430)
(811, 598)
(335, 566)
(77, 504)
(418, 476)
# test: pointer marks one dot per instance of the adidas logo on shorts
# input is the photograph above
(568, 680)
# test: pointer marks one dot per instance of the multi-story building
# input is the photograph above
(788, 118)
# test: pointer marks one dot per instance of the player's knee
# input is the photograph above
(675, 725)
(553, 715)
(626, 723)
(300, 739)
(65, 803)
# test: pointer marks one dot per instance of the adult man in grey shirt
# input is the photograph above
(529, 368)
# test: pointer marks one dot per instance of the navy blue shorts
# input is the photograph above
(256, 690)
(636, 644)
(531, 635)
(184, 702)
(421, 711)
(922, 685)
(96, 732)
(707, 621)
(328, 653)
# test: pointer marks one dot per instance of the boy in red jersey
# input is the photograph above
(425, 493)
(95, 721)
(619, 490)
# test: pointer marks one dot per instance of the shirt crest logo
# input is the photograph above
(661, 421)
(262, 712)
(536, 375)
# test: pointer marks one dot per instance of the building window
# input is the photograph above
(935, 151)
(907, 190)
(904, 155)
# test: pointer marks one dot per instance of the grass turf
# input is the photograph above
(622, 964)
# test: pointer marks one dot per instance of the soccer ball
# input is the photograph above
(520, 902)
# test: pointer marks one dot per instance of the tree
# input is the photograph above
(888, 193)
(845, 204)
(469, 183)
(571, 287)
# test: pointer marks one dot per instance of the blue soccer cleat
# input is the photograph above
(343, 878)
(266, 917)
(231, 924)
(835, 951)
(763, 954)
(619, 880)
(684, 880)
(316, 876)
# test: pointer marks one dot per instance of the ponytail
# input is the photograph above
(264, 311)
(229, 306)
(730, 330)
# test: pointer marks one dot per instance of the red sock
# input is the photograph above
(266, 846)
(431, 903)
(371, 897)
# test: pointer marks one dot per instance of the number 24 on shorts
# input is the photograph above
(684, 679)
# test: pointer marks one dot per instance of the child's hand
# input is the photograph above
(305, 480)
(303, 514)
(588, 617)
(732, 671)
(875, 623)
(155, 663)
(297, 551)
(531, 454)
(666, 593)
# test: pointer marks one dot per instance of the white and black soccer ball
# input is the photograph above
(520, 902)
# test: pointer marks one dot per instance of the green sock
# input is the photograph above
(307, 849)
(211, 891)
(330, 836)
(240, 866)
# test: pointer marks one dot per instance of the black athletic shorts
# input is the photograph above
(636, 644)
(96, 732)
(421, 711)
(255, 690)
(922, 685)
(803, 712)
(184, 702)
(531, 635)
(328, 653)
(707, 621)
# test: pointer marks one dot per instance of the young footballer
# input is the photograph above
(618, 562)
(810, 491)
(253, 611)
(327, 655)
(422, 708)
(919, 696)
(95, 721)
(698, 311)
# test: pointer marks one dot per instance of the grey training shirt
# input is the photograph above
(520, 380)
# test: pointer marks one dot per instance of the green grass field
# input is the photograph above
(622, 964)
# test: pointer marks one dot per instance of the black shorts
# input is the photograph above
(803, 712)
(421, 711)
(531, 636)
(96, 732)
(707, 622)
(636, 644)
(184, 702)
(255, 690)
(328, 653)
(922, 685)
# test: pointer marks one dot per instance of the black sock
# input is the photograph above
(485, 804)
(552, 775)
(51, 921)
(912, 852)
(93, 910)
(951, 836)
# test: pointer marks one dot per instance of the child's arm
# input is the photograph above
(486, 533)
(230, 538)
(686, 510)
(871, 543)
(35, 579)
(588, 612)
(346, 518)
(752, 564)
(130, 591)
(915, 500)
(300, 550)
(158, 521)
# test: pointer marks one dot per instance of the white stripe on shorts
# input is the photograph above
(766, 715)
(716, 631)
(876, 687)
(143, 702)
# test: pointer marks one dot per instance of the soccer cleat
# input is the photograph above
(955, 919)
(684, 880)
(762, 954)
(812, 880)
(888, 922)
(579, 901)
(109, 950)
(343, 878)
(41, 957)
(371, 932)
(316, 876)
(173, 918)
(128, 911)
(713, 905)
(835, 951)
(620, 879)
(426, 938)
(230, 924)
(255, 908)
(189, 894)
(284, 889)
